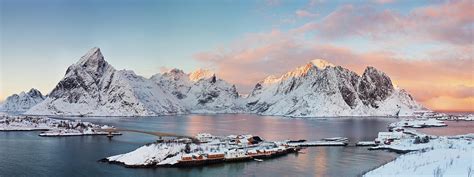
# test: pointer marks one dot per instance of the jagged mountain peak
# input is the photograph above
(175, 74)
(371, 69)
(35, 92)
(93, 87)
(174, 71)
(201, 74)
(93, 55)
(320, 88)
(299, 71)
(321, 63)
(22, 101)
(93, 63)
(372, 74)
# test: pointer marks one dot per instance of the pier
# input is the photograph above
(111, 132)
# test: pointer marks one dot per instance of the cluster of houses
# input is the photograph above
(233, 148)
(389, 137)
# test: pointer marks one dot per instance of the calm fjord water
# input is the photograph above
(27, 154)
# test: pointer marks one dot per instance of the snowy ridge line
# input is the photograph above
(93, 87)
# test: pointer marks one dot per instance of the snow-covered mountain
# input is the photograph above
(18, 103)
(93, 87)
(322, 89)
(200, 91)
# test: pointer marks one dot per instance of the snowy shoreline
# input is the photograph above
(51, 127)
(423, 154)
(213, 149)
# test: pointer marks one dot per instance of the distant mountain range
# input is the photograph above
(92, 87)
(22, 102)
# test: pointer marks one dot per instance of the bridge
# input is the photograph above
(158, 134)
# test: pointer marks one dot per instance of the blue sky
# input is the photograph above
(44, 37)
(40, 39)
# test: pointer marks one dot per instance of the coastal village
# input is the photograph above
(214, 149)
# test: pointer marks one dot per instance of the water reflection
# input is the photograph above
(320, 162)
(77, 156)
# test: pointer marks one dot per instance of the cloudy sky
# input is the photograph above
(426, 47)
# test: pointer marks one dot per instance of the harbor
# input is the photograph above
(206, 149)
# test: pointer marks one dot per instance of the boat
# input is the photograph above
(258, 160)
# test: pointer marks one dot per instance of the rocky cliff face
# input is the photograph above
(93, 87)
(374, 86)
(322, 89)
(200, 91)
(18, 103)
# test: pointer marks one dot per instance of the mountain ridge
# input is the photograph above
(93, 87)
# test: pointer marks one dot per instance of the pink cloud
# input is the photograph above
(250, 60)
(450, 22)
(352, 20)
(445, 74)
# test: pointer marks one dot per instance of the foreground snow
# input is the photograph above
(52, 127)
(455, 162)
(428, 155)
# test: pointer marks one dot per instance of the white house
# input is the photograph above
(382, 136)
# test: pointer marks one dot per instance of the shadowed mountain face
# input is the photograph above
(374, 86)
(328, 90)
(93, 87)
(85, 78)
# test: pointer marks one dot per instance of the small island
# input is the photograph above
(52, 127)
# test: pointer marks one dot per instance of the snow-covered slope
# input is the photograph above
(18, 103)
(323, 89)
(93, 87)
(200, 91)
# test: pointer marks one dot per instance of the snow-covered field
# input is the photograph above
(151, 154)
(52, 127)
(428, 155)
(447, 162)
